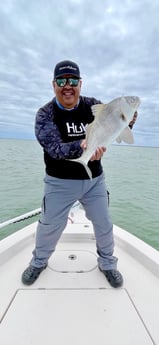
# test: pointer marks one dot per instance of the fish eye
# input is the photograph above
(122, 116)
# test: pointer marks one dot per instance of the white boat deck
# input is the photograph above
(72, 303)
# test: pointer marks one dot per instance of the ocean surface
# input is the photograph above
(132, 178)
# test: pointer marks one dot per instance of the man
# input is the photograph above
(60, 129)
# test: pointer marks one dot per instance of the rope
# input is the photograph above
(21, 218)
(30, 215)
(27, 217)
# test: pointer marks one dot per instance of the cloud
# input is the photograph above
(115, 44)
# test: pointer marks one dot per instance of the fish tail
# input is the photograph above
(78, 160)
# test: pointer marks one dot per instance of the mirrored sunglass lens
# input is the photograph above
(61, 82)
(73, 82)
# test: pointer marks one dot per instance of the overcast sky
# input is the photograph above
(115, 43)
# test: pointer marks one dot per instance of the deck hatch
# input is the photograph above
(73, 317)
(73, 261)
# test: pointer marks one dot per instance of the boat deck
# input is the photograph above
(72, 303)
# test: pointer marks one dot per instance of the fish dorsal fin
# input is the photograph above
(126, 136)
(88, 129)
(97, 108)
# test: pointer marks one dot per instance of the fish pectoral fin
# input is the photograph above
(126, 136)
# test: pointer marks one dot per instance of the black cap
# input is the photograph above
(66, 67)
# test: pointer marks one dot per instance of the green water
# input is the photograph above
(131, 174)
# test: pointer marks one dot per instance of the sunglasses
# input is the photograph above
(61, 82)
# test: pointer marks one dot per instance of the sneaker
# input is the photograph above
(114, 277)
(31, 274)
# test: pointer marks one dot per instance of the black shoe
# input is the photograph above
(31, 274)
(114, 277)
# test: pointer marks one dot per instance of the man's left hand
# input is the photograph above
(98, 153)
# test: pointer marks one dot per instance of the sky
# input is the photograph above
(115, 43)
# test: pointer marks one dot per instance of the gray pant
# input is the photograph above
(59, 196)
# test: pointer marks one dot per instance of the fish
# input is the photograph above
(110, 123)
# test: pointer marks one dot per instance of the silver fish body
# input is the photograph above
(110, 123)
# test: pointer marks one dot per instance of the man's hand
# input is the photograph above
(97, 154)
(131, 124)
(83, 144)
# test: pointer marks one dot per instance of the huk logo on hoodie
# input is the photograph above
(75, 130)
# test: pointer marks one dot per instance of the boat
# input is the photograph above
(72, 303)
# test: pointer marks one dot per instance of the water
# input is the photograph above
(131, 174)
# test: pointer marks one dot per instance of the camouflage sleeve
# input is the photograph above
(49, 137)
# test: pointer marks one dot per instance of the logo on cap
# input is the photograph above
(69, 67)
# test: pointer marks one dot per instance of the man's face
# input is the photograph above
(67, 95)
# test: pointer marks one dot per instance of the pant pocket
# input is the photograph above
(108, 196)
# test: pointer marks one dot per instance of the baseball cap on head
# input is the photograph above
(66, 67)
